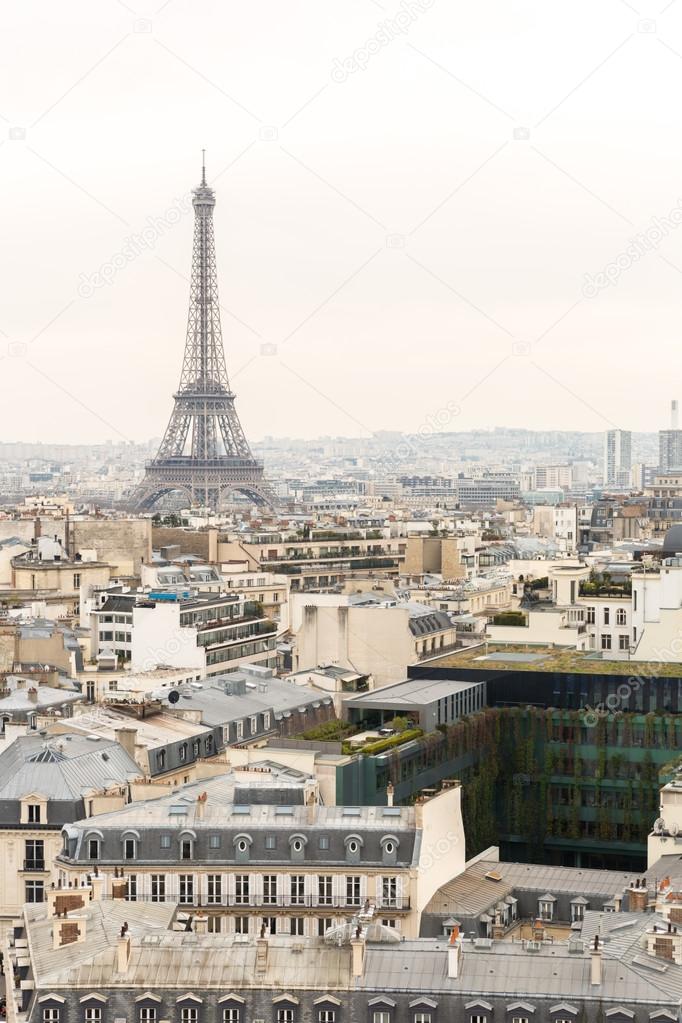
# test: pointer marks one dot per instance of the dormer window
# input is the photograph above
(353, 845)
(129, 849)
(33, 814)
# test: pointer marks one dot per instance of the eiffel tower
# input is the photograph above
(204, 452)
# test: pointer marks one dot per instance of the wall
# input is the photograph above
(203, 543)
(123, 543)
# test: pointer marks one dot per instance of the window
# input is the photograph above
(158, 887)
(230, 1015)
(270, 842)
(621, 616)
(195, 748)
(93, 848)
(129, 849)
(214, 924)
(253, 724)
(34, 818)
(76, 580)
(131, 894)
(148, 1014)
(323, 842)
(324, 890)
(478, 1019)
(296, 926)
(240, 729)
(590, 618)
(165, 841)
(50, 1015)
(269, 889)
(422, 1017)
(214, 841)
(183, 752)
(381, 1017)
(389, 891)
(323, 925)
(297, 845)
(546, 910)
(326, 1016)
(519, 1019)
(93, 1015)
(623, 642)
(606, 641)
(266, 721)
(209, 745)
(186, 888)
(35, 891)
(241, 889)
(215, 889)
(607, 615)
(270, 924)
(189, 1014)
(297, 889)
(285, 1016)
(34, 854)
(241, 925)
(352, 890)
(186, 849)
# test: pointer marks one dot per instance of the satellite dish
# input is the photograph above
(659, 825)
(173, 696)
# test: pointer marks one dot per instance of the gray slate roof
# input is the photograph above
(62, 767)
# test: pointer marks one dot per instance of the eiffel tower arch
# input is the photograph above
(204, 453)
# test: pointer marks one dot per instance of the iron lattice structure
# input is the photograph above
(204, 452)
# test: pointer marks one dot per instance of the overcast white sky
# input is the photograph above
(408, 220)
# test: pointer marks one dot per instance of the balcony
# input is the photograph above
(34, 865)
(397, 903)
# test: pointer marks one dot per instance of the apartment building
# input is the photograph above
(257, 850)
(46, 783)
(206, 632)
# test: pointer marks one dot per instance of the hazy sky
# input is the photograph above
(409, 198)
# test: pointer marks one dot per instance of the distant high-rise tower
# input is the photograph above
(617, 457)
(670, 444)
(204, 453)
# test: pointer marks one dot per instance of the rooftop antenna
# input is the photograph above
(673, 415)
(203, 166)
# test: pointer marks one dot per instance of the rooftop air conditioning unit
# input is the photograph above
(533, 946)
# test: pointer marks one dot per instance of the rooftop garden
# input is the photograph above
(603, 585)
(553, 659)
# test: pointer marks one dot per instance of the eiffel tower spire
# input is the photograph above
(204, 451)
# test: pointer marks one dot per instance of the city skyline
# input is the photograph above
(406, 226)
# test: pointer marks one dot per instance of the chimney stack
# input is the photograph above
(390, 790)
(454, 954)
(123, 950)
(201, 804)
(638, 896)
(200, 923)
(357, 945)
(673, 414)
(595, 963)
(127, 737)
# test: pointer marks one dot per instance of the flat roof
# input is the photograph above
(411, 692)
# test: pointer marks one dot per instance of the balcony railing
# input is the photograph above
(398, 902)
(34, 864)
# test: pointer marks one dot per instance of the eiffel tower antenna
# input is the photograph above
(204, 452)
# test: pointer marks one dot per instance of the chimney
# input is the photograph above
(673, 414)
(595, 963)
(201, 804)
(127, 737)
(97, 882)
(454, 954)
(123, 950)
(357, 945)
(389, 794)
(638, 896)
(261, 952)
(36, 528)
(200, 923)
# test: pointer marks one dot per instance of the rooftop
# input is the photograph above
(548, 658)
(62, 767)
(410, 693)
